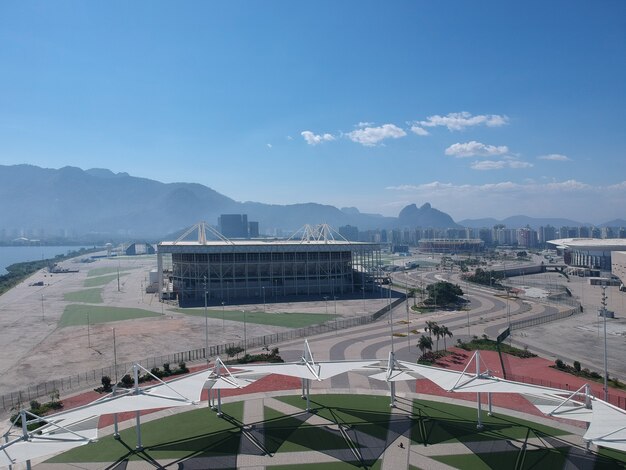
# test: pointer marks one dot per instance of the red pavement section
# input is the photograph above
(535, 371)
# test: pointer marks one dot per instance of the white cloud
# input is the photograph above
(269, 146)
(289, 137)
(364, 124)
(419, 130)
(475, 149)
(507, 162)
(556, 157)
(371, 136)
(315, 139)
(459, 121)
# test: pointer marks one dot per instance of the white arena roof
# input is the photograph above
(605, 244)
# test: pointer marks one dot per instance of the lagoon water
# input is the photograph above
(19, 254)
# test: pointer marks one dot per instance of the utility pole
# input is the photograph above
(42, 311)
(88, 333)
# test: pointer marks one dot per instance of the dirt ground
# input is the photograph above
(35, 350)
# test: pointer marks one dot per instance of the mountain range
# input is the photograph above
(100, 202)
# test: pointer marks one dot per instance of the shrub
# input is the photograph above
(182, 368)
(34, 406)
(106, 383)
(594, 375)
(559, 364)
(166, 369)
(577, 366)
(158, 373)
(127, 381)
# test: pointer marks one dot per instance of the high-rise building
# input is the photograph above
(349, 232)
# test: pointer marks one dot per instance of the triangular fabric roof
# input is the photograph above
(454, 381)
(560, 407)
(608, 426)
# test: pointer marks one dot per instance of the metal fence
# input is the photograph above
(539, 320)
(613, 398)
(84, 380)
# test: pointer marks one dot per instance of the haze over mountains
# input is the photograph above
(98, 201)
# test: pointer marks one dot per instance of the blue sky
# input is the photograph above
(480, 108)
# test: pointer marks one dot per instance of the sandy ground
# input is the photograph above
(35, 350)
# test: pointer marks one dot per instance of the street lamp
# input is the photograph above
(223, 327)
(326, 303)
(245, 335)
(264, 306)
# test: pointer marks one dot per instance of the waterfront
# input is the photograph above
(19, 254)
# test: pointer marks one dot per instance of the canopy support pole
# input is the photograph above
(139, 445)
(308, 395)
(303, 396)
(479, 425)
(219, 402)
(490, 412)
(392, 388)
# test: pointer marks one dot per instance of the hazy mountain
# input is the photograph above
(425, 217)
(98, 201)
(614, 223)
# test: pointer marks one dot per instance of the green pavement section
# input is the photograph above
(100, 280)
(288, 320)
(76, 315)
(366, 423)
(105, 270)
(197, 433)
(88, 296)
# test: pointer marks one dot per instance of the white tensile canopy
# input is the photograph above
(608, 426)
(66, 430)
(51, 438)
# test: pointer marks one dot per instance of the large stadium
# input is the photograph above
(225, 270)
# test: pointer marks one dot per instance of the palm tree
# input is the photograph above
(430, 326)
(444, 331)
(436, 330)
(425, 343)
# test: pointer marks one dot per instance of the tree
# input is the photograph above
(443, 293)
(425, 343)
(429, 328)
(437, 332)
(445, 332)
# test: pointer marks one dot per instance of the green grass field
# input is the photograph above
(288, 320)
(76, 315)
(88, 296)
(101, 280)
(367, 424)
(104, 270)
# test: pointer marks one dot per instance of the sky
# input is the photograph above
(483, 108)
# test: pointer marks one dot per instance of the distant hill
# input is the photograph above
(520, 221)
(100, 202)
(425, 216)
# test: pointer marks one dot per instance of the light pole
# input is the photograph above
(245, 335)
(206, 326)
(88, 333)
(336, 320)
(223, 327)
(326, 303)
(42, 311)
(264, 306)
